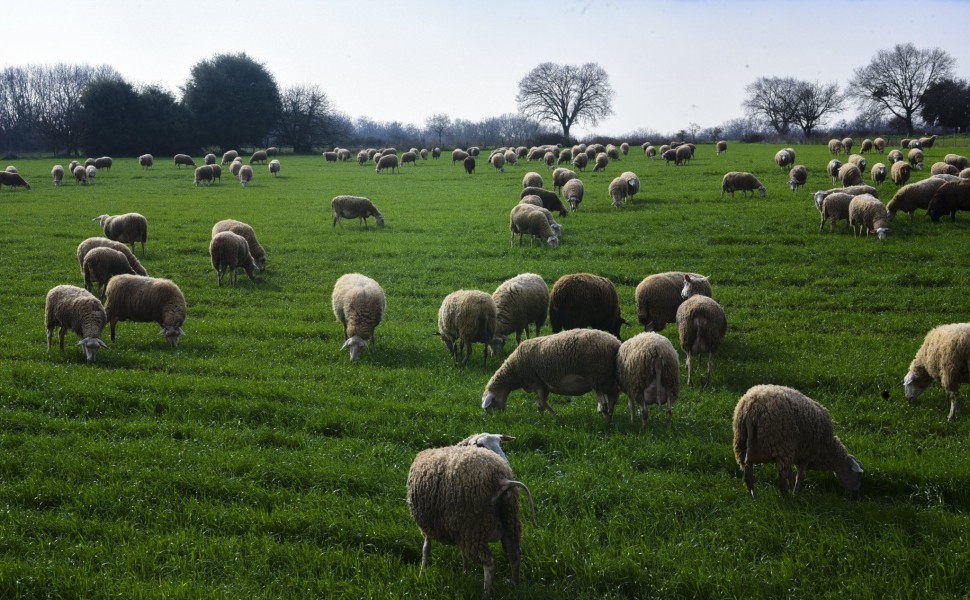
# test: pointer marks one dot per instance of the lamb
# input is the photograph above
(388, 161)
(914, 196)
(894, 156)
(458, 155)
(659, 296)
(580, 161)
(80, 175)
(850, 174)
(550, 200)
(859, 161)
(618, 191)
(944, 357)
(880, 144)
(601, 161)
(15, 179)
(359, 304)
(355, 207)
(209, 159)
(469, 164)
(581, 300)
(940, 168)
(229, 156)
(520, 302)
(146, 300)
(58, 174)
(570, 363)
(101, 264)
(866, 146)
(466, 495)
(532, 179)
(797, 176)
(274, 167)
(127, 229)
(101, 242)
(900, 172)
(960, 162)
(70, 307)
(878, 173)
(835, 146)
(741, 181)
(701, 324)
(526, 219)
(203, 174)
(229, 252)
(409, 157)
(573, 192)
(258, 156)
(247, 232)
(560, 176)
(783, 158)
(90, 171)
(632, 183)
(867, 212)
(915, 158)
(720, 147)
(498, 161)
(847, 144)
(773, 423)
(833, 206)
(184, 159)
(949, 198)
(648, 372)
(466, 317)
(245, 175)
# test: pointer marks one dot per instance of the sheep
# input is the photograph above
(601, 161)
(498, 161)
(852, 190)
(833, 206)
(720, 147)
(70, 167)
(960, 162)
(435, 153)
(580, 161)
(355, 207)
(80, 175)
(101, 242)
(943, 357)
(388, 161)
(879, 144)
(469, 164)
(550, 200)
(669, 155)
(101, 264)
(651, 152)
(247, 232)
(833, 168)
(458, 155)
(362, 158)
(146, 300)
(520, 302)
(70, 307)
(88, 162)
(847, 144)
(258, 156)
(127, 229)
(741, 181)
(573, 192)
(521, 151)
(15, 179)
(783, 158)
(858, 161)
(878, 173)
(343, 154)
(526, 219)
(914, 196)
(466, 495)
(565, 157)
(560, 176)
(550, 159)
(229, 156)
(466, 317)
(57, 173)
(914, 145)
(581, 300)
(612, 152)
(184, 159)
(684, 154)
(90, 171)
(648, 372)
(927, 142)
(866, 146)
(473, 151)
(835, 146)
(570, 363)
(274, 167)
(632, 183)
(146, 161)
(850, 174)
(904, 143)
(424, 154)
(773, 423)
(949, 198)
(618, 191)
(409, 157)
(245, 175)
(867, 212)
(229, 252)
(939, 168)
(797, 176)
(330, 156)
(658, 296)
(900, 172)
(532, 179)
(965, 174)
(103, 163)
(915, 158)
(203, 174)
(894, 156)
(359, 304)
(511, 158)
(235, 167)
(701, 325)
(209, 159)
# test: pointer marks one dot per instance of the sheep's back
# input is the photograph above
(584, 300)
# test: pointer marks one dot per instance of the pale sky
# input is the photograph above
(670, 62)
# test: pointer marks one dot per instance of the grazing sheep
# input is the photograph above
(435, 153)
(229, 156)
(914, 145)
(914, 196)
(103, 163)
(458, 155)
(835, 207)
(915, 158)
(573, 192)
(878, 173)
(632, 183)
(424, 154)
(571, 363)
(362, 158)
(942, 168)
(778, 424)
(797, 176)
(330, 156)
(70, 307)
(58, 174)
(701, 324)
(209, 159)
(550, 159)
(359, 304)
(511, 158)
(474, 151)
(867, 212)
(960, 162)
(835, 146)
(550, 200)
(127, 229)
(274, 167)
(464, 318)
(527, 219)
(184, 159)
(498, 161)
(612, 152)
(927, 142)
(80, 175)
(245, 175)
(90, 171)
(847, 144)
(581, 300)
(565, 157)
(355, 207)
(900, 172)
(532, 179)
(235, 167)
(229, 252)
(101, 242)
(101, 264)
(601, 161)
(146, 300)
(258, 156)
(466, 495)
(203, 174)
(88, 162)
(944, 357)
(580, 161)
(720, 147)
(560, 176)
(469, 164)
(409, 157)
(858, 161)
(866, 146)
(388, 161)
(247, 232)
(146, 161)
(651, 152)
(948, 199)
(852, 190)
(71, 167)
(669, 155)
(741, 181)
(850, 174)
(894, 157)
(783, 158)
(658, 296)
(625, 148)
(833, 168)
(880, 145)
(520, 302)
(684, 154)
(14, 179)
(648, 372)
(618, 191)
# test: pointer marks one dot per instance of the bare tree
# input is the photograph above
(896, 80)
(693, 128)
(774, 99)
(815, 102)
(438, 124)
(57, 95)
(305, 117)
(566, 94)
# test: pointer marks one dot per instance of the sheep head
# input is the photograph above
(689, 282)
(489, 441)
(355, 345)
(172, 333)
(849, 474)
(553, 241)
(916, 381)
(494, 400)
(91, 346)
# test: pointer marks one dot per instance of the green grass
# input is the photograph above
(256, 461)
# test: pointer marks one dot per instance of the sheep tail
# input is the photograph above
(507, 485)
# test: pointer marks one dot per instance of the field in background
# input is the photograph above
(256, 461)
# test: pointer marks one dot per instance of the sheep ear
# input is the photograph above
(908, 380)
(101, 343)
(507, 438)
(856, 465)
(346, 343)
(81, 342)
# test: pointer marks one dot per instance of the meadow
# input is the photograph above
(256, 461)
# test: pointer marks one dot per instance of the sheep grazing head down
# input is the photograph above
(916, 382)
(91, 346)
(380, 220)
(849, 474)
(494, 400)
(553, 241)
(882, 232)
(172, 334)
(355, 345)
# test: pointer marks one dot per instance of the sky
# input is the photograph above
(670, 63)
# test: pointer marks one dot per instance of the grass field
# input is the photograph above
(255, 461)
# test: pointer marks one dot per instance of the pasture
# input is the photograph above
(255, 460)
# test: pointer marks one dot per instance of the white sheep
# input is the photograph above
(580, 161)
(915, 158)
(914, 196)
(409, 157)
(658, 296)
(648, 372)
(146, 161)
(701, 324)
(560, 176)
(359, 304)
(236, 167)
(388, 161)
(573, 191)
(91, 172)
(944, 357)
(98, 242)
(847, 145)
(274, 167)
(203, 174)
(209, 159)
(867, 212)
(741, 181)
(894, 156)
(532, 179)
(618, 191)
(783, 158)
(832, 168)
(229, 156)
(229, 252)
(184, 159)
(878, 173)
(632, 183)
(720, 147)
(258, 156)
(70, 307)
(520, 302)
(101, 264)
(958, 161)
(601, 161)
(146, 300)
(245, 230)
(355, 207)
(80, 175)
(900, 172)
(797, 177)
(880, 145)
(850, 174)
(835, 146)
(127, 228)
(58, 174)
(859, 161)
(464, 318)
(498, 161)
(835, 207)
(245, 175)
(526, 219)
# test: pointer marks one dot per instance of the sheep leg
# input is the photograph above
(541, 400)
(954, 398)
(64, 330)
(784, 475)
(489, 568)
(514, 554)
(425, 554)
(799, 477)
(633, 409)
(113, 323)
(710, 367)
(749, 477)
(688, 368)
(50, 334)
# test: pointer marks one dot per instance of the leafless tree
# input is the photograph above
(438, 124)
(55, 92)
(896, 80)
(566, 94)
(815, 102)
(305, 118)
(775, 100)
